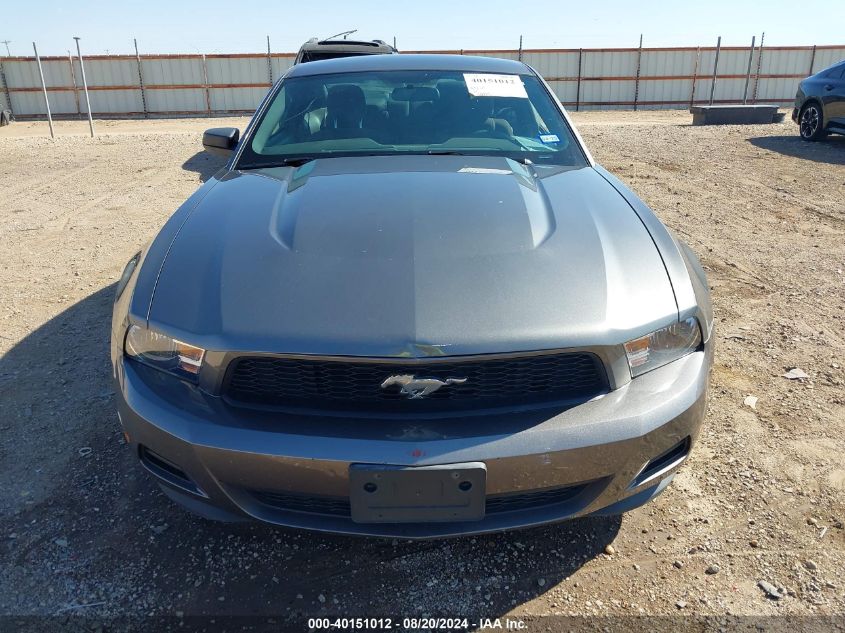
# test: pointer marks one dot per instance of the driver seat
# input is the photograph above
(345, 108)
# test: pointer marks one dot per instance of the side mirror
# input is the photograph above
(220, 141)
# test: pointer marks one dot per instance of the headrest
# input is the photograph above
(452, 90)
(346, 96)
(307, 93)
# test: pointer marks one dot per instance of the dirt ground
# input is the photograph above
(83, 531)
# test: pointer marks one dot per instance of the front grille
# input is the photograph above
(356, 384)
(339, 506)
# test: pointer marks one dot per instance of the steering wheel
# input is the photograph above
(509, 115)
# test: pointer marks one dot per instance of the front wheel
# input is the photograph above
(811, 123)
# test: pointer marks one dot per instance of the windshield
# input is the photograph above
(411, 112)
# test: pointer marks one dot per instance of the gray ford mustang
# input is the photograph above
(411, 305)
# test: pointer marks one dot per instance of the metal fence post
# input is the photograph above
(269, 62)
(694, 76)
(5, 87)
(748, 74)
(715, 68)
(75, 86)
(578, 86)
(812, 60)
(205, 84)
(520, 48)
(639, 62)
(85, 87)
(44, 89)
(759, 65)
(141, 80)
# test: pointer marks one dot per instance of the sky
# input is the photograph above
(241, 26)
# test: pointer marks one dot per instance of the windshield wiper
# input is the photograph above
(292, 161)
(447, 152)
(296, 161)
(522, 159)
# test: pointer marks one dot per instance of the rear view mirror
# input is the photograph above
(412, 93)
(220, 141)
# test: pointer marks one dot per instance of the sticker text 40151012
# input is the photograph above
(490, 85)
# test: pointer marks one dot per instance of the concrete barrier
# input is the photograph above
(733, 114)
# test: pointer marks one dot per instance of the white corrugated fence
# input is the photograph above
(589, 78)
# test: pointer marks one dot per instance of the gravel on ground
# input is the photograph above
(752, 525)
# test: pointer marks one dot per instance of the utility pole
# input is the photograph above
(7, 42)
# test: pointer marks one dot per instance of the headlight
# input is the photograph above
(162, 352)
(663, 346)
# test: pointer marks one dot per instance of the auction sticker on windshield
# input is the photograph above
(489, 85)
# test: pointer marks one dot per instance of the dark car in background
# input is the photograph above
(316, 50)
(820, 103)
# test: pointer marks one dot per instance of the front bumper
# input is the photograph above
(228, 454)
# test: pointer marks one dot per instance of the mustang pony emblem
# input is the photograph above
(414, 387)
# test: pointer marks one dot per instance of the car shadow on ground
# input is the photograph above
(830, 150)
(204, 164)
(101, 533)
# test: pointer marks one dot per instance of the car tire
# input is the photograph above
(811, 122)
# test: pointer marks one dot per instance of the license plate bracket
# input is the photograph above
(417, 494)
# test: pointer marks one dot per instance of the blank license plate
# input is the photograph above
(417, 494)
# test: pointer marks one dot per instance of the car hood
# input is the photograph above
(411, 256)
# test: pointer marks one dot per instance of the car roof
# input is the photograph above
(405, 61)
(343, 45)
(824, 71)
